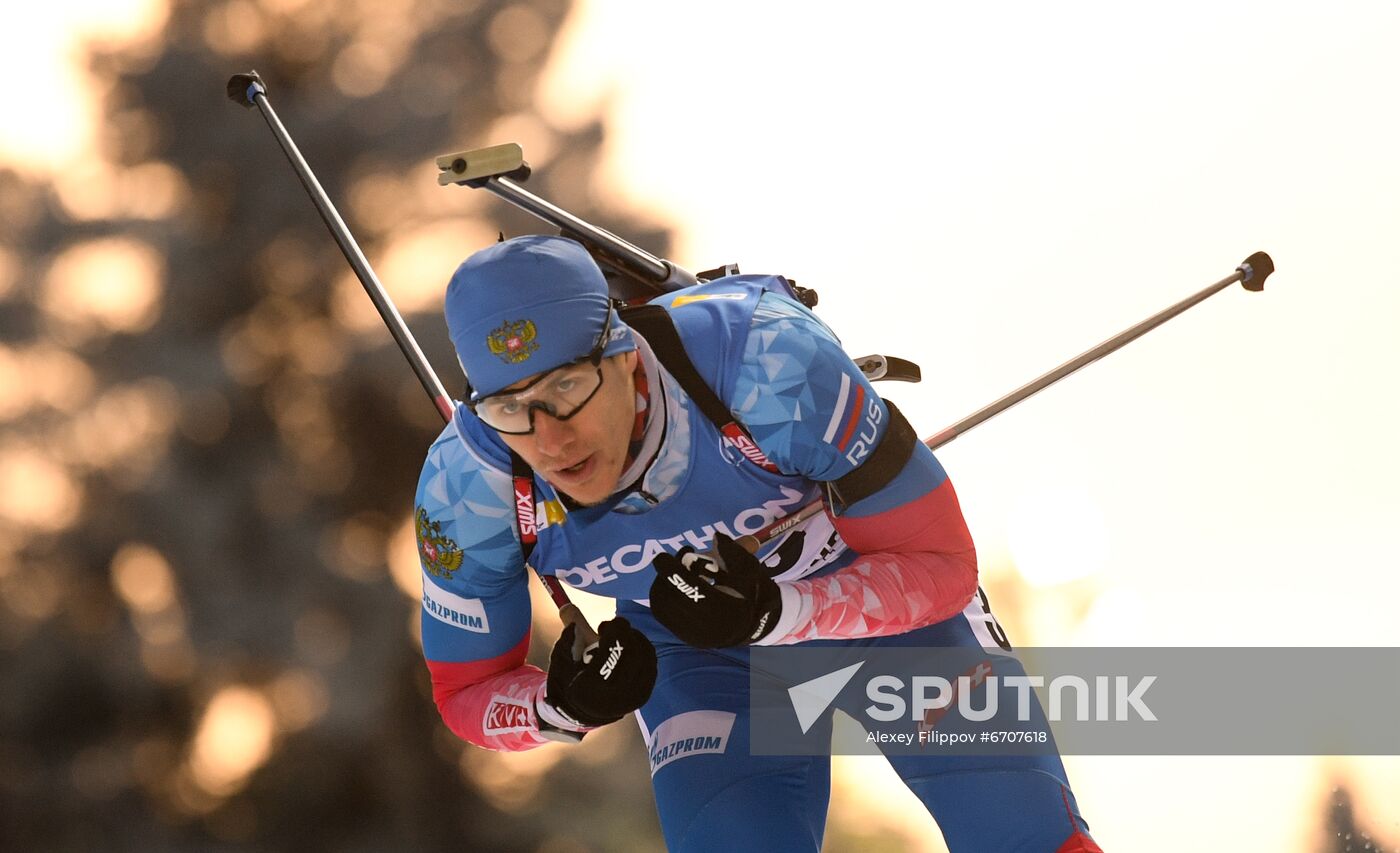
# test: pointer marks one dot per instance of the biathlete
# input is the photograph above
(624, 457)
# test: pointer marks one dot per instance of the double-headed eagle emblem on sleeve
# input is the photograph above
(439, 554)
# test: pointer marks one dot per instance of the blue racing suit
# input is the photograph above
(896, 568)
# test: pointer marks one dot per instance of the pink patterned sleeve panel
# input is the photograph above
(491, 703)
(917, 567)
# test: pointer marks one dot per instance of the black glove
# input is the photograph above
(612, 680)
(714, 601)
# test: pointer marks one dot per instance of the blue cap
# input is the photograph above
(525, 306)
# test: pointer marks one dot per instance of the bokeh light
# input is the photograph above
(35, 491)
(110, 285)
(143, 579)
(234, 737)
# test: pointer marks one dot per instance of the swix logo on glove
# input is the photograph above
(505, 714)
(614, 655)
(762, 623)
(691, 592)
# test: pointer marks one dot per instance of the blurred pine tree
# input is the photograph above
(206, 450)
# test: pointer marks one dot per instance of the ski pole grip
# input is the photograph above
(1256, 268)
(243, 89)
(584, 635)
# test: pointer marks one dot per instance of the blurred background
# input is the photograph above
(209, 445)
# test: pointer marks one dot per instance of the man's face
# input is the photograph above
(583, 456)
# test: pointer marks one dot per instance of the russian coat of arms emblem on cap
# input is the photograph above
(440, 555)
(513, 341)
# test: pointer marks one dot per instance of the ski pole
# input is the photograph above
(1251, 274)
(634, 274)
(499, 168)
(249, 91)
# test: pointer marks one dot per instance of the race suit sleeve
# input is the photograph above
(476, 602)
(812, 412)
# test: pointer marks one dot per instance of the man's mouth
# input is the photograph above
(577, 472)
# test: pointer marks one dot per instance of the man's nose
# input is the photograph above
(552, 436)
